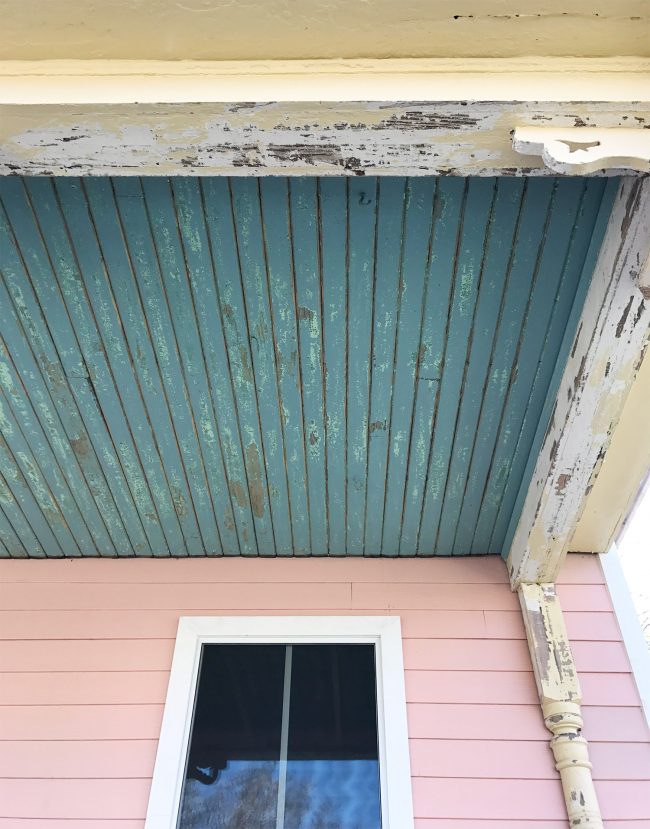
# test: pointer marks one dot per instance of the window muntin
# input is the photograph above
(381, 632)
(284, 737)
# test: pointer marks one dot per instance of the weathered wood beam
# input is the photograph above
(333, 117)
(607, 351)
(560, 698)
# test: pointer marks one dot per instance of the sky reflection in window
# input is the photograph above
(284, 737)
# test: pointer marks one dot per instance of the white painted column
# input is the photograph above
(560, 697)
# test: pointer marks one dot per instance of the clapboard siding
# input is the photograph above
(272, 366)
(82, 689)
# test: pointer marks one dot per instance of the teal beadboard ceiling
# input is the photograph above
(282, 366)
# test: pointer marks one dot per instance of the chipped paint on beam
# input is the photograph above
(362, 138)
(607, 352)
(560, 698)
(354, 117)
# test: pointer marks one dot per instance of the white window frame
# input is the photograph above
(384, 632)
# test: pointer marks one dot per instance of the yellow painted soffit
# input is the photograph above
(624, 469)
(286, 29)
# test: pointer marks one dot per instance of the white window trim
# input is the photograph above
(194, 631)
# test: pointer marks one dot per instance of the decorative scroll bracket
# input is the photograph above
(560, 697)
(581, 150)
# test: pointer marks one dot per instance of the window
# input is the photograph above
(284, 723)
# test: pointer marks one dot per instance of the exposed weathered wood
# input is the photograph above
(560, 697)
(606, 354)
(581, 150)
(392, 117)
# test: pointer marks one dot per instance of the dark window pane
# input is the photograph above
(232, 769)
(333, 768)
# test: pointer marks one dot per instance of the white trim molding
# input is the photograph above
(384, 632)
(607, 351)
(628, 622)
(581, 150)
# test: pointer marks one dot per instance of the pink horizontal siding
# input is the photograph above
(85, 651)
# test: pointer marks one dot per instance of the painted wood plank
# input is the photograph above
(584, 597)
(478, 208)
(624, 799)
(443, 685)
(334, 234)
(255, 597)
(87, 655)
(277, 228)
(481, 759)
(600, 656)
(80, 722)
(220, 224)
(432, 597)
(485, 759)
(157, 624)
(586, 626)
(15, 527)
(530, 223)
(477, 570)
(98, 360)
(64, 431)
(416, 247)
(447, 216)
(501, 799)
(490, 722)
(10, 544)
(581, 568)
(258, 330)
(78, 759)
(67, 349)
(219, 401)
(491, 296)
(428, 721)
(157, 363)
(388, 288)
(108, 686)
(177, 260)
(618, 800)
(474, 654)
(67, 800)
(133, 384)
(363, 198)
(304, 201)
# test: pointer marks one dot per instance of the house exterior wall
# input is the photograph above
(86, 647)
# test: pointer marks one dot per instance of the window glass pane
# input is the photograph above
(333, 764)
(231, 780)
(283, 737)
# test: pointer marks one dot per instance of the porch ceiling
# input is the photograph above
(261, 366)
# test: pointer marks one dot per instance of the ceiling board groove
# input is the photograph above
(281, 367)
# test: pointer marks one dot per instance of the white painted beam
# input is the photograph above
(335, 117)
(607, 351)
